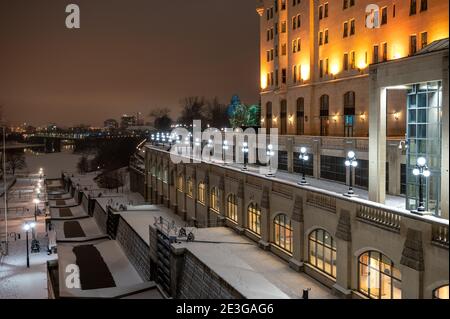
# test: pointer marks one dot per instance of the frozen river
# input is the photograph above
(52, 163)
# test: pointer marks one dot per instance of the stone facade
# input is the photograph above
(356, 225)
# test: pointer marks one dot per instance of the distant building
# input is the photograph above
(127, 120)
(111, 124)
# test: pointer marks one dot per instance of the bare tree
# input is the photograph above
(193, 108)
(83, 165)
(216, 114)
(15, 161)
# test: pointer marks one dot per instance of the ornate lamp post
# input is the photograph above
(245, 152)
(270, 153)
(421, 170)
(351, 163)
(27, 227)
(303, 157)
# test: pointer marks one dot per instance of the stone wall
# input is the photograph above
(100, 217)
(137, 251)
(197, 281)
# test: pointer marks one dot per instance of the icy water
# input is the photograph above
(52, 163)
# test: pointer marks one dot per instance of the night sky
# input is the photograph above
(128, 56)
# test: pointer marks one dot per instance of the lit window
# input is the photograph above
(423, 39)
(441, 293)
(214, 197)
(190, 187)
(254, 218)
(180, 183)
(201, 193)
(232, 207)
(322, 252)
(377, 276)
(282, 231)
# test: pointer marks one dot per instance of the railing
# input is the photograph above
(362, 145)
(322, 201)
(380, 217)
(439, 235)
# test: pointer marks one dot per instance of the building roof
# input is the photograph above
(437, 45)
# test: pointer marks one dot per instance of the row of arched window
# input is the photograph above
(378, 277)
(324, 101)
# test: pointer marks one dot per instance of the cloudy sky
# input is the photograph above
(128, 56)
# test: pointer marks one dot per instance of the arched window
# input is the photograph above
(441, 293)
(165, 175)
(322, 251)
(201, 192)
(282, 232)
(190, 187)
(268, 115)
(324, 114)
(214, 199)
(300, 116)
(232, 207)
(377, 276)
(254, 218)
(180, 183)
(349, 113)
(157, 174)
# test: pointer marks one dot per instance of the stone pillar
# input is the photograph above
(394, 163)
(290, 154)
(315, 148)
(241, 207)
(377, 140)
(343, 235)
(296, 262)
(264, 243)
(412, 265)
(223, 201)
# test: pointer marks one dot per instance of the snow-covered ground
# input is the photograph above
(16, 280)
(52, 163)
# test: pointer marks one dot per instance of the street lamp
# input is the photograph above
(36, 201)
(270, 153)
(421, 170)
(351, 163)
(27, 227)
(245, 151)
(303, 157)
(225, 148)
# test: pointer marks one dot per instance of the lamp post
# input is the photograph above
(421, 170)
(225, 148)
(303, 157)
(27, 227)
(36, 203)
(351, 163)
(270, 153)
(245, 152)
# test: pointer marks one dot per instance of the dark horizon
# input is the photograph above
(128, 57)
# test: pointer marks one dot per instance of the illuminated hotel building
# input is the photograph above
(315, 56)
